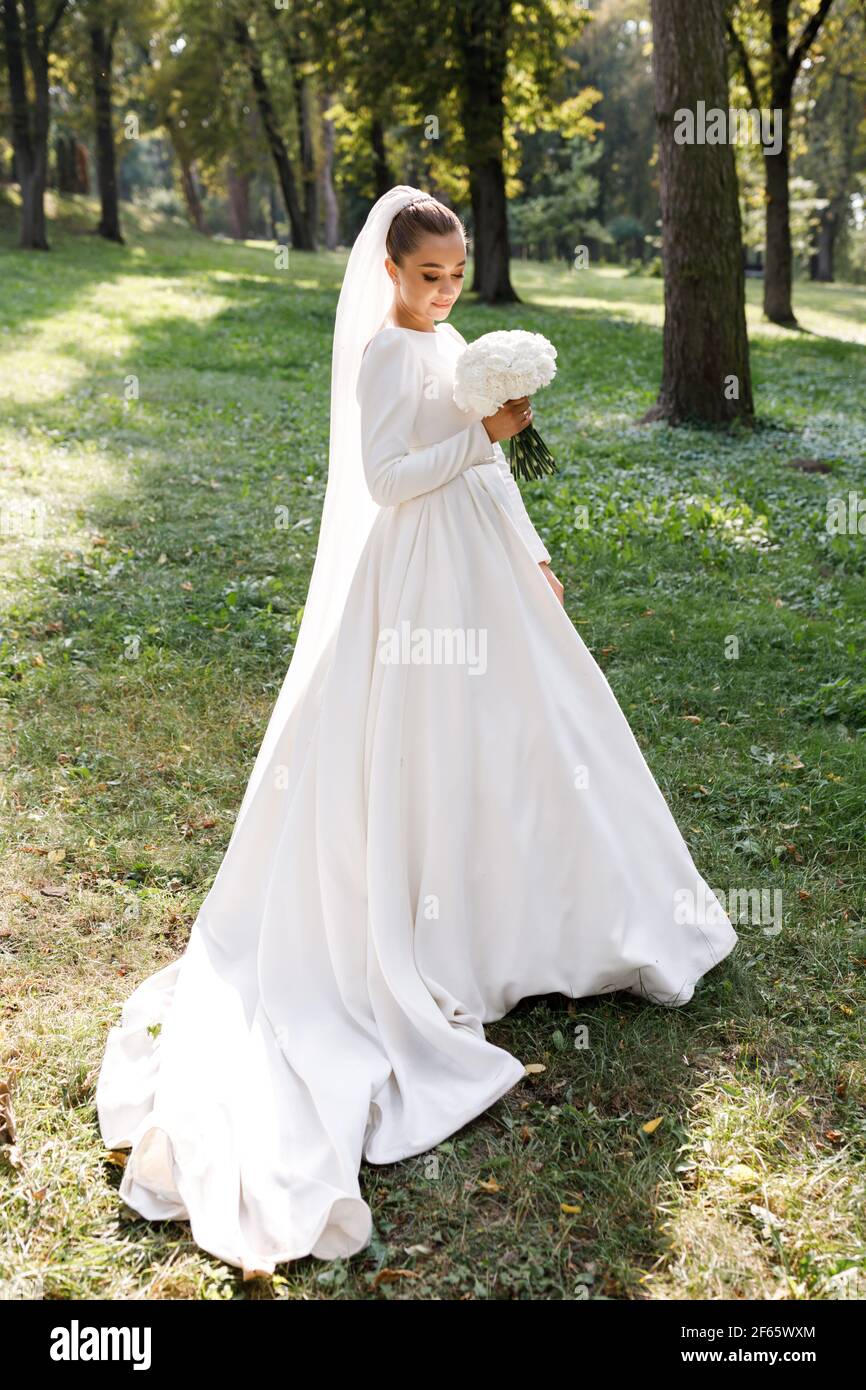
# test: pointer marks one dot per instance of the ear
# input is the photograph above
(391, 269)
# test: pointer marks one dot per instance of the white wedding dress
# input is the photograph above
(456, 816)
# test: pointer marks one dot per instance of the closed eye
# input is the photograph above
(433, 278)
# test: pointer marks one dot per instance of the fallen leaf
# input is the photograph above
(652, 1125)
(489, 1185)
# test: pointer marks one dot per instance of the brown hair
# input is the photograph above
(424, 215)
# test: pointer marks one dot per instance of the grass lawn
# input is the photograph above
(164, 411)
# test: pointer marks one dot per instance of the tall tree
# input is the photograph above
(483, 31)
(31, 109)
(781, 63)
(326, 174)
(833, 90)
(505, 64)
(296, 42)
(102, 31)
(246, 42)
(706, 373)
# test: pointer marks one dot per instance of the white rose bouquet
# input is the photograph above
(504, 366)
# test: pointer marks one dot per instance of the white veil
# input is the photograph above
(348, 510)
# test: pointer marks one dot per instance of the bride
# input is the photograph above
(448, 813)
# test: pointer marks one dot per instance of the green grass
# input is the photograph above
(147, 625)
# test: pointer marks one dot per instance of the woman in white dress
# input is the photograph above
(448, 813)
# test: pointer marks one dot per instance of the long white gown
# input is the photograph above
(456, 816)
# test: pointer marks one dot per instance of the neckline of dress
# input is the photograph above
(426, 333)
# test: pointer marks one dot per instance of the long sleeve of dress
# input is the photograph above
(519, 515)
(390, 386)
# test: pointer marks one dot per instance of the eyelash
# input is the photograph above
(434, 278)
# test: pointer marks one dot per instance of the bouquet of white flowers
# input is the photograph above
(504, 366)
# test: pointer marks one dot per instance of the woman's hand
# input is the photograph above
(552, 581)
(510, 419)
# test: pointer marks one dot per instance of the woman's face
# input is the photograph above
(430, 279)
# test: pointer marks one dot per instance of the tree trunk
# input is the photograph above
(29, 130)
(822, 261)
(187, 179)
(783, 69)
(705, 375)
(326, 176)
(491, 251)
(381, 173)
(101, 59)
(82, 170)
(482, 31)
(64, 163)
(304, 116)
(784, 66)
(191, 196)
(778, 255)
(276, 144)
(238, 185)
(33, 232)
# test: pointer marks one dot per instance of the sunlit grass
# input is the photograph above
(831, 311)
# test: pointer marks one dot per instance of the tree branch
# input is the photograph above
(48, 31)
(738, 48)
(805, 41)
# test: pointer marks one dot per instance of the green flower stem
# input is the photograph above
(529, 455)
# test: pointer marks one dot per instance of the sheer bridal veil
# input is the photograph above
(348, 511)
